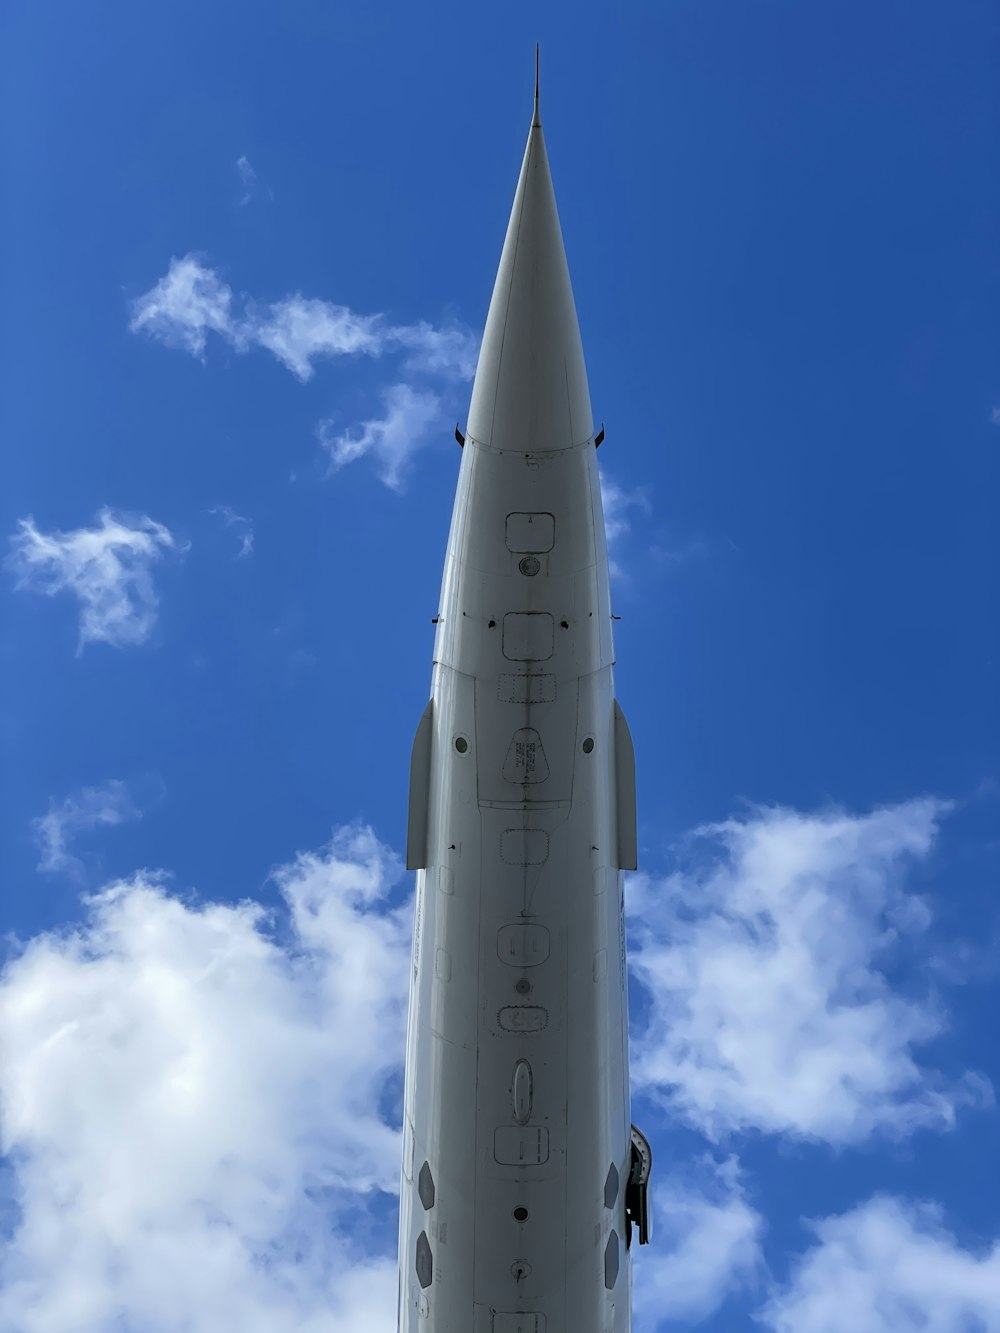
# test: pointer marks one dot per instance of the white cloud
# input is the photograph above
(767, 1005)
(248, 178)
(189, 303)
(192, 300)
(451, 352)
(192, 1107)
(298, 331)
(995, 416)
(243, 526)
(706, 1245)
(889, 1267)
(251, 185)
(393, 438)
(90, 808)
(617, 504)
(107, 567)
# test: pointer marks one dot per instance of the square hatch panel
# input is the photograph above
(528, 636)
(530, 533)
(522, 1322)
(521, 1145)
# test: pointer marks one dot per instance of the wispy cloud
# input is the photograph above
(392, 438)
(684, 552)
(995, 416)
(192, 301)
(89, 808)
(298, 332)
(192, 1100)
(107, 567)
(888, 1267)
(248, 178)
(451, 352)
(249, 182)
(185, 306)
(618, 504)
(243, 526)
(708, 1243)
(765, 970)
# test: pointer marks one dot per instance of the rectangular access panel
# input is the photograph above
(528, 636)
(530, 533)
(527, 689)
(521, 1145)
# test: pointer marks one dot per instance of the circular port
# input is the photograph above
(461, 744)
(522, 985)
(529, 566)
(588, 745)
(520, 1214)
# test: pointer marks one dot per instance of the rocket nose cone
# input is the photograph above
(530, 392)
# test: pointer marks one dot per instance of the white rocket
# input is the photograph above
(523, 1181)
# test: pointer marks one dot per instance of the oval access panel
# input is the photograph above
(521, 1092)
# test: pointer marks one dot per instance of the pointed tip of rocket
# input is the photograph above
(536, 119)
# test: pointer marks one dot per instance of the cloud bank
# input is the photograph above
(199, 1101)
(193, 1107)
(107, 567)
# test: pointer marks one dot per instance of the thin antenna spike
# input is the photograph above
(537, 119)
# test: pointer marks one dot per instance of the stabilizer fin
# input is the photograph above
(420, 787)
(625, 781)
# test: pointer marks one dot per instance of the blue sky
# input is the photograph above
(248, 251)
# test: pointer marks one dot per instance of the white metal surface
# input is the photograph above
(516, 1126)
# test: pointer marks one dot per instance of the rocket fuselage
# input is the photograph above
(517, 1147)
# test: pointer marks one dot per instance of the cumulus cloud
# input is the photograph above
(107, 567)
(889, 1267)
(392, 438)
(763, 967)
(707, 1240)
(87, 809)
(192, 300)
(192, 1107)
